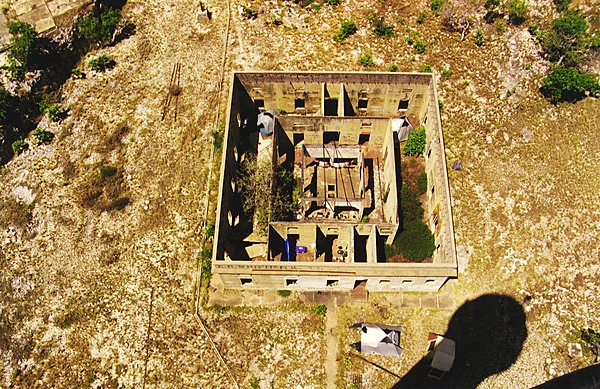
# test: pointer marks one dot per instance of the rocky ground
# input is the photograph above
(104, 298)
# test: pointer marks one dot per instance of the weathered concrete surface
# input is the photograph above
(39, 13)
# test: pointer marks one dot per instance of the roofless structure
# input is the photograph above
(310, 182)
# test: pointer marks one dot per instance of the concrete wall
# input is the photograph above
(383, 93)
(439, 204)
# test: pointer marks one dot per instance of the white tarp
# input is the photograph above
(266, 122)
(381, 339)
(403, 127)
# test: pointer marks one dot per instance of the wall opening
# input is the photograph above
(246, 280)
(298, 138)
(403, 104)
(299, 103)
(331, 136)
(363, 138)
(331, 107)
(363, 103)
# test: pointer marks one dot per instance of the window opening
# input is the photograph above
(403, 104)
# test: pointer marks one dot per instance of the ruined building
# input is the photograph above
(310, 182)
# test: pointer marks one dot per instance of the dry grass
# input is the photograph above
(77, 286)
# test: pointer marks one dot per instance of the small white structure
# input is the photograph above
(403, 127)
(441, 351)
(381, 339)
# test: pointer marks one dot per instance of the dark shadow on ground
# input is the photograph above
(489, 333)
(587, 378)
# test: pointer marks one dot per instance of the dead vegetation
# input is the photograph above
(79, 281)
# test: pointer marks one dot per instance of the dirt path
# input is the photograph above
(332, 344)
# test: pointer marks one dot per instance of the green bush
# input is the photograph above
(4, 102)
(517, 11)
(567, 41)
(107, 171)
(440, 105)
(55, 111)
(100, 29)
(77, 73)
(206, 267)
(562, 5)
(380, 29)
(393, 67)
(422, 183)
(320, 310)
(479, 37)
(500, 26)
(101, 63)
(436, 6)
(415, 242)
(568, 84)
(410, 205)
(446, 73)
(19, 146)
(419, 47)
(333, 3)
(426, 69)
(42, 136)
(415, 144)
(284, 293)
(366, 60)
(347, 28)
(249, 13)
(21, 48)
(420, 17)
(218, 136)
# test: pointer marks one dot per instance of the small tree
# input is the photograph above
(568, 84)
(22, 45)
(42, 136)
(567, 41)
(4, 102)
(458, 16)
(100, 29)
(436, 6)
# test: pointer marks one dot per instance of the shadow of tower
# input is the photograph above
(489, 332)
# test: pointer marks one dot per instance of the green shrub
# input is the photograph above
(426, 69)
(420, 17)
(101, 63)
(320, 310)
(21, 47)
(415, 144)
(77, 73)
(249, 13)
(422, 183)
(210, 231)
(100, 29)
(410, 41)
(4, 102)
(284, 293)
(436, 6)
(567, 41)
(562, 5)
(415, 242)
(366, 60)
(206, 265)
(55, 111)
(347, 28)
(42, 136)
(419, 47)
(217, 136)
(19, 146)
(107, 171)
(533, 29)
(315, 6)
(393, 67)
(517, 11)
(500, 26)
(568, 84)
(446, 73)
(479, 37)
(380, 29)
(410, 205)
(333, 3)
(440, 105)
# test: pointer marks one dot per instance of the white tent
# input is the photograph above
(403, 127)
(381, 339)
